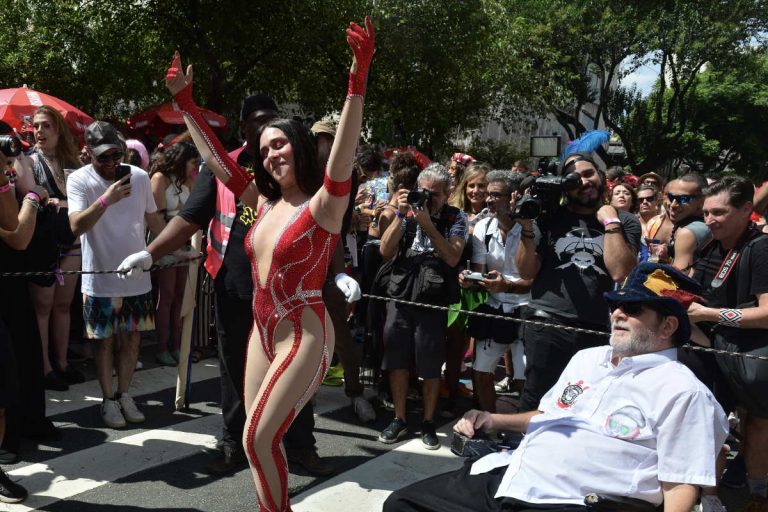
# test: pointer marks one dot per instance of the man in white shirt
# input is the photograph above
(112, 213)
(625, 419)
(494, 244)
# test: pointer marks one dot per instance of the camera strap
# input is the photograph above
(733, 257)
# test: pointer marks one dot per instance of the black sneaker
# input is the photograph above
(8, 457)
(429, 436)
(72, 375)
(11, 492)
(394, 431)
(310, 461)
(55, 381)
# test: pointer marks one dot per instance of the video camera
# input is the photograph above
(418, 197)
(544, 195)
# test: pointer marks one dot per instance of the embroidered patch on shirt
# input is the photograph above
(625, 423)
(570, 394)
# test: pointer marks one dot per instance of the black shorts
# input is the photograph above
(414, 335)
(747, 378)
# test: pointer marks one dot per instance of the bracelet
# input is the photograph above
(103, 202)
(614, 220)
(32, 202)
(401, 215)
(528, 236)
(5, 188)
(33, 195)
(527, 231)
(730, 317)
(613, 230)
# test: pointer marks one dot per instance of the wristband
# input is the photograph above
(526, 235)
(730, 317)
(33, 195)
(401, 215)
(5, 188)
(527, 231)
(103, 202)
(613, 230)
(614, 220)
(32, 202)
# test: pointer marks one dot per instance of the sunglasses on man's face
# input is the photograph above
(629, 308)
(114, 157)
(681, 198)
(648, 199)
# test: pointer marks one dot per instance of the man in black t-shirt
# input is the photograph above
(733, 271)
(573, 256)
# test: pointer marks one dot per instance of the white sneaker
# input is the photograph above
(111, 415)
(130, 411)
(711, 504)
(504, 385)
(363, 409)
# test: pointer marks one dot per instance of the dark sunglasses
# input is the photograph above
(648, 199)
(682, 198)
(629, 308)
(114, 157)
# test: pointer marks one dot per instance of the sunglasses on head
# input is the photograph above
(114, 157)
(681, 198)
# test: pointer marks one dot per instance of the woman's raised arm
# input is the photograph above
(333, 197)
(215, 156)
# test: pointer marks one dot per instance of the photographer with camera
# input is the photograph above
(423, 245)
(574, 253)
(494, 244)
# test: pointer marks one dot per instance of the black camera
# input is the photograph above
(10, 145)
(481, 444)
(419, 197)
(544, 195)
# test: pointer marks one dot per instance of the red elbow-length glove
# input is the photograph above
(238, 177)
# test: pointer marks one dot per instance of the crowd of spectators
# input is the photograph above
(448, 235)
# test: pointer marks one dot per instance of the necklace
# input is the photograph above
(53, 165)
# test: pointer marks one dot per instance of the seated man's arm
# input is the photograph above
(679, 497)
(475, 420)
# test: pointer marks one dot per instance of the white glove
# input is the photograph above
(133, 264)
(348, 286)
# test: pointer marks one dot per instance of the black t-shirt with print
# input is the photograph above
(573, 276)
(234, 277)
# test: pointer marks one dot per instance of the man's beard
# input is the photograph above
(587, 203)
(640, 341)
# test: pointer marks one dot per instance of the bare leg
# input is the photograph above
(62, 300)
(756, 447)
(166, 281)
(508, 369)
(178, 299)
(456, 347)
(128, 353)
(431, 391)
(285, 384)
(103, 357)
(42, 298)
(484, 390)
(398, 386)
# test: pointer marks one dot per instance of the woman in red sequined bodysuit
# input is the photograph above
(289, 246)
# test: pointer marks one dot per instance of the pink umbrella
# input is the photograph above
(20, 102)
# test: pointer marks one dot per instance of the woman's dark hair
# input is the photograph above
(403, 170)
(172, 162)
(368, 158)
(132, 157)
(309, 177)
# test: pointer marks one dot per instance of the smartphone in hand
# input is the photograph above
(121, 171)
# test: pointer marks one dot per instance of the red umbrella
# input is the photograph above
(19, 102)
(156, 120)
